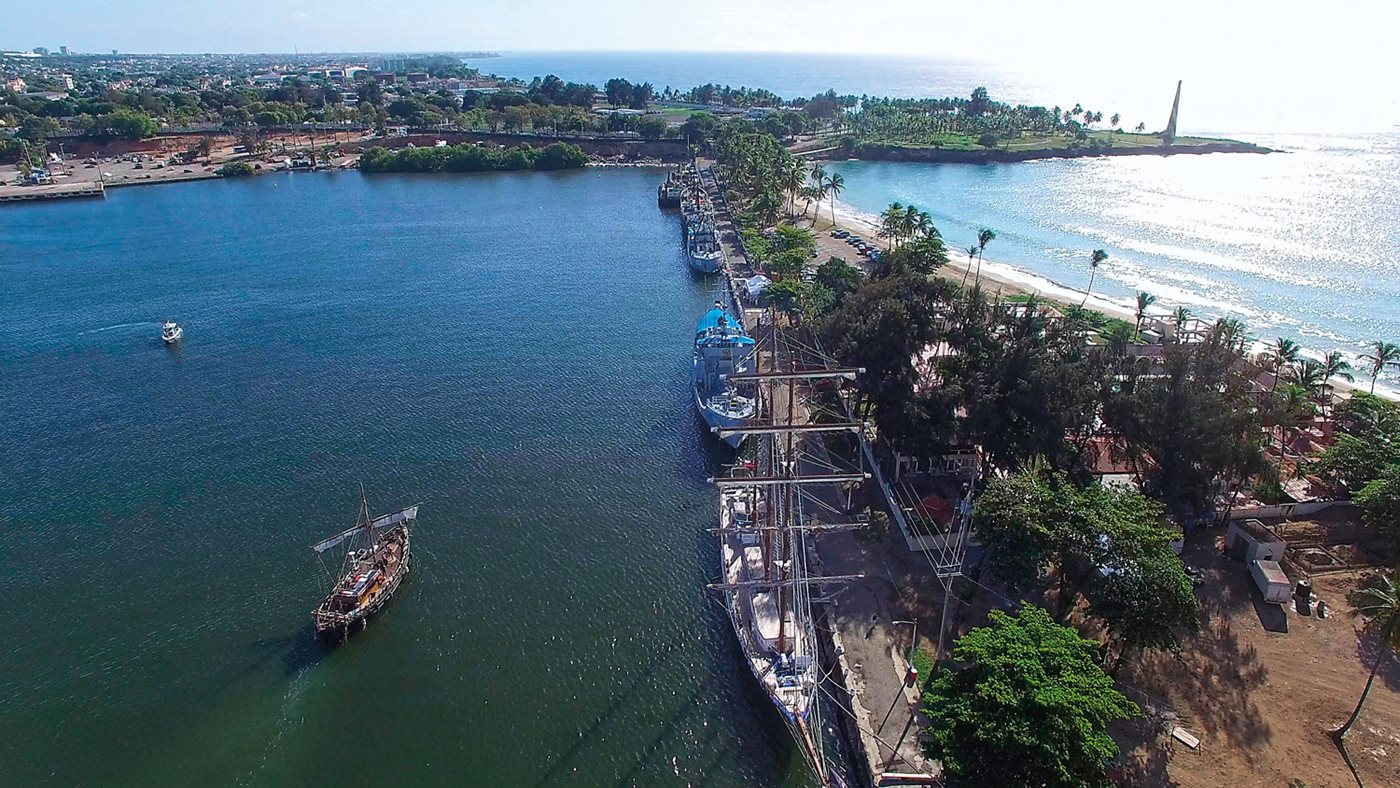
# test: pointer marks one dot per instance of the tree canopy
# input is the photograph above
(1032, 707)
(1107, 541)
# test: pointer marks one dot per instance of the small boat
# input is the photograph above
(722, 348)
(370, 573)
(171, 332)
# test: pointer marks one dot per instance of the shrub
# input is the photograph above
(235, 169)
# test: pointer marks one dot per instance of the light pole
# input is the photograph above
(311, 129)
(913, 672)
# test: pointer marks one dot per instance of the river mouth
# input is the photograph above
(509, 350)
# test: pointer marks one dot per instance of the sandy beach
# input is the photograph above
(997, 276)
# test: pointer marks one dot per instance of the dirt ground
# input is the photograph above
(1262, 701)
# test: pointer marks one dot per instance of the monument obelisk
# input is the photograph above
(1169, 136)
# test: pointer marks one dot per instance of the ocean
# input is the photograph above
(510, 350)
(1303, 244)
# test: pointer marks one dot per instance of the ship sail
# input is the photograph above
(411, 513)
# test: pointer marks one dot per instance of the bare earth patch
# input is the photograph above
(1262, 702)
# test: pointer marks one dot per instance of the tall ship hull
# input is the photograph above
(764, 536)
(722, 348)
(371, 574)
(780, 655)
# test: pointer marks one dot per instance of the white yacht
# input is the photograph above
(171, 332)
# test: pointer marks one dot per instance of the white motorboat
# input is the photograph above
(171, 332)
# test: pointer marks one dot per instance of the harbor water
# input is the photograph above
(512, 351)
(1301, 244)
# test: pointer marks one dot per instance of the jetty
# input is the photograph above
(51, 191)
(870, 689)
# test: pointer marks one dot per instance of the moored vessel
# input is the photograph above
(764, 540)
(377, 557)
(722, 349)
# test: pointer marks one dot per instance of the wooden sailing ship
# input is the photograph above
(377, 557)
(764, 541)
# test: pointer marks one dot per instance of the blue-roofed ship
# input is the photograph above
(722, 348)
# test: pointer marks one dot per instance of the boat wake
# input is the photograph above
(120, 326)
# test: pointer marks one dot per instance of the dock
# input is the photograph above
(869, 634)
(52, 191)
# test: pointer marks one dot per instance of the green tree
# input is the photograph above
(1095, 258)
(652, 127)
(892, 223)
(1282, 354)
(984, 236)
(370, 93)
(125, 124)
(1382, 355)
(1144, 300)
(642, 94)
(1380, 505)
(235, 169)
(1378, 604)
(1190, 426)
(1357, 460)
(839, 276)
(618, 91)
(971, 253)
(1179, 318)
(1146, 600)
(1032, 707)
(835, 184)
(1335, 365)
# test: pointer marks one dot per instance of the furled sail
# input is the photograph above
(411, 513)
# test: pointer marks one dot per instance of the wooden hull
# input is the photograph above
(336, 618)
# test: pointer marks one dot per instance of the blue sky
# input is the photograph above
(1283, 34)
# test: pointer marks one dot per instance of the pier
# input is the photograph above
(51, 191)
(867, 632)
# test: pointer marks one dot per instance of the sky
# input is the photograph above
(1240, 34)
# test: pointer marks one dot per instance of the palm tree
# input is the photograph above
(971, 253)
(1096, 257)
(917, 223)
(809, 195)
(1283, 353)
(1294, 407)
(1334, 365)
(792, 177)
(1233, 331)
(1144, 300)
(1310, 374)
(984, 236)
(892, 222)
(835, 184)
(1378, 604)
(1382, 354)
(1179, 318)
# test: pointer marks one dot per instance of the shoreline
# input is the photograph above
(1006, 276)
(910, 153)
(1012, 280)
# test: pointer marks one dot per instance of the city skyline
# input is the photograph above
(1235, 36)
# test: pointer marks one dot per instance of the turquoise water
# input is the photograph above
(1303, 245)
(510, 350)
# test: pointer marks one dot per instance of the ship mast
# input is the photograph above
(364, 514)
